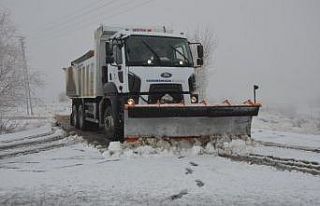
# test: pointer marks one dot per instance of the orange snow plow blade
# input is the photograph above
(179, 120)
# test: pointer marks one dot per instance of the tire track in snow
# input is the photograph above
(32, 150)
(277, 162)
(29, 137)
(295, 147)
(32, 144)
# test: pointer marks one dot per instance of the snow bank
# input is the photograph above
(303, 124)
(287, 138)
(34, 131)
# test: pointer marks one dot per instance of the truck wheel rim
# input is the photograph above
(80, 117)
(109, 124)
(74, 115)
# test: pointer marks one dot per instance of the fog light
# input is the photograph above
(194, 99)
(131, 102)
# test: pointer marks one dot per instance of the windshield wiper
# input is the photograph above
(153, 51)
(185, 58)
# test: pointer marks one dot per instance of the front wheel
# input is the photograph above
(111, 126)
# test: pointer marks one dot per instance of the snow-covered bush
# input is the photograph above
(62, 97)
(299, 122)
(7, 126)
(318, 124)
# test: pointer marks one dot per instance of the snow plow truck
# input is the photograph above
(140, 82)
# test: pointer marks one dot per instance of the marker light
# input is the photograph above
(194, 99)
(131, 102)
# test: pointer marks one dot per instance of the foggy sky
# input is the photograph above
(272, 43)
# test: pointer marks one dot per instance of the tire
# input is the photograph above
(81, 118)
(74, 116)
(71, 119)
(111, 126)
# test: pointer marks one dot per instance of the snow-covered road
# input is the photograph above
(78, 174)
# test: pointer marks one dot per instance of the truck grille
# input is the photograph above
(165, 93)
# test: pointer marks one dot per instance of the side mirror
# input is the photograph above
(109, 59)
(200, 51)
(109, 53)
(200, 61)
(104, 74)
(197, 53)
(108, 49)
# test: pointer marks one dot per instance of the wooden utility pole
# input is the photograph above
(26, 76)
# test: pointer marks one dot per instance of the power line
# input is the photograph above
(64, 17)
(70, 24)
(87, 20)
(106, 17)
(78, 17)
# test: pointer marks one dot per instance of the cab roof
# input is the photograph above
(147, 31)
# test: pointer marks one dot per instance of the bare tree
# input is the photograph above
(209, 41)
(11, 84)
(12, 76)
(13, 66)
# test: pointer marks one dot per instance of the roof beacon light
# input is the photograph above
(141, 30)
(150, 29)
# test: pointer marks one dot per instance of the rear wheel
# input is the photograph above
(81, 118)
(74, 116)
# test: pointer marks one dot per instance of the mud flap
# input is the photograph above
(187, 121)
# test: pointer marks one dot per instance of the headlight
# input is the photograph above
(194, 99)
(130, 102)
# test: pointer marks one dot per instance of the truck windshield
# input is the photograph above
(158, 51)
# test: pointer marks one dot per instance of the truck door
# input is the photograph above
(116, 71)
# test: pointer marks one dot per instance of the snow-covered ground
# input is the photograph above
(16, 119)
(301, 123)
(70, 172)
(78, 174)
(288, 138)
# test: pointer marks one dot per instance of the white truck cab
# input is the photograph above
(151, 66)
(138, 66)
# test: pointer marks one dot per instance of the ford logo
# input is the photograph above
(166, 75)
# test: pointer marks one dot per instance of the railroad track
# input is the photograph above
(280, 163)
(31, 144)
